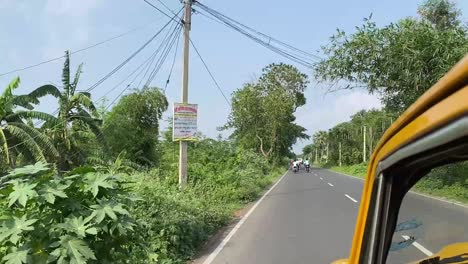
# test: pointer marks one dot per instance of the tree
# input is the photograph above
(399, 61)
(133, 125)
(350, 136)
(441, 13)
(19, 140)
(77, 117)
(262, 114)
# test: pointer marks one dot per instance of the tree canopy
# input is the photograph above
(399, 61)
(262, 113)
(133, 125)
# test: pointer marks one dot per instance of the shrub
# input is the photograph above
(79, 218)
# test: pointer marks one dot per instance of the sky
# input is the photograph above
(34, 31)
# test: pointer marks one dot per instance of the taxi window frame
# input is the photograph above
(384, 211)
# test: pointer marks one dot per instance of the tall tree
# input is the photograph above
(133, 125)
(262, 113)
(399, 61)
(76, 117)
(17, 138)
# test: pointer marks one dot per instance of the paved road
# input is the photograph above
(310, 217)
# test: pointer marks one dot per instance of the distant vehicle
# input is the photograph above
(432, 132)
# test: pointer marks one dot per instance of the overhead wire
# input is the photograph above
(79, 50)
(270, 38)
(302, 57)
(106, 77)
(162, 46)
(162, 59)
(173, 63)
(164, 13)
(209, 72)
(134, 79)
(92, 87)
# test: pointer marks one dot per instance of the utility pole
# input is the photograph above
(183, 144)
(339, 149)
(364, 145)
(316, 155)
(327, 154)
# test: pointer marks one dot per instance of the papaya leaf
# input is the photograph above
(78, 226)
(13, 228)
(16, 257)
(75, 249)
(30, 169)
(49, 192)
(22, 192)
(95, 181)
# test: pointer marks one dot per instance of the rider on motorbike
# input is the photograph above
(307, 165)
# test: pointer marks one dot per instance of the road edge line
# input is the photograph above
(223, 243)
(413, 192)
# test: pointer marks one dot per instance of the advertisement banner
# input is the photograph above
(185, 122)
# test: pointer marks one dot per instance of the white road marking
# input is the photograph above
(330, 184)
(351, 198)
(223, 243)
(419, 246)
(321, 178)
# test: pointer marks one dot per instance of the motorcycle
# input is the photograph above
(307, 167)
(295, 168)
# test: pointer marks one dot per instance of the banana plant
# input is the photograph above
(76, 109)
(18, 140)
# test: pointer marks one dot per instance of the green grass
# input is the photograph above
(357, 170)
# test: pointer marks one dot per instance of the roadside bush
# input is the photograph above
(79, 218)
(177, 222)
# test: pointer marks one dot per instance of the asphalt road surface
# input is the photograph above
(310, 218)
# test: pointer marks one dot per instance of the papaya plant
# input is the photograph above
(79, 218)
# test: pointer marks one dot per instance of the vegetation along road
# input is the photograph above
(95, 166)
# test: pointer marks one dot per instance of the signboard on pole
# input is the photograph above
(185, 122)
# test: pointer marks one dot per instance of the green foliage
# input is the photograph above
(449, 181)
(18, 139)
(133, 125)
(71, 219)
(221, 179)
(357, 170)
(326, 144)
(399, 61)
(262, 113)
(441, 13)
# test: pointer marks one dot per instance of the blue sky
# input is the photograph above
(33, 31)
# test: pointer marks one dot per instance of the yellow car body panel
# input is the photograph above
(443, 102)
(454, 254)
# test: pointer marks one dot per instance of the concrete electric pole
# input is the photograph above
(185, 71)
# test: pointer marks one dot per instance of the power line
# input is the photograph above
(128, 59)
(164, 13)
(270, 38)
(102, 79)
(302, 57)
(173, 63)
(209, 72)
(149, 62)
(170, 10)
(79, 50)
(162, 59)
(162, 47)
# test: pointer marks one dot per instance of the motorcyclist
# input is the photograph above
(295, 166)
(307, 164)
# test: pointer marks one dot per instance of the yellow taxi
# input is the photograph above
(432, 133)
